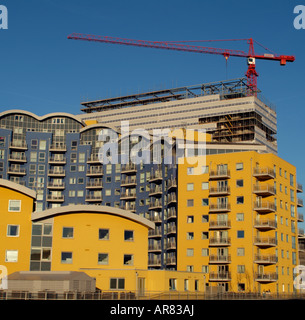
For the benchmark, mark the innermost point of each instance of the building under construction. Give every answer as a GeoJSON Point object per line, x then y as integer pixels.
{"type": "Point", "coordinates": [229, 110]}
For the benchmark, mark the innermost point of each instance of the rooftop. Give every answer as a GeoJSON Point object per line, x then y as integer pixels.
{"type": "Point", "coordinates": [228, 89]}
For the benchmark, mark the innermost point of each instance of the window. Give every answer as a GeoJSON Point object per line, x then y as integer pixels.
{"type": "Point", "coordinates": [34, 144]}
{"type": "Point", "coordinates": [190, 171]}
{"type": "Point", "coordinates": [190, 236]}
{"type": "Point", "coordinates": [42, 157]}
{"type": "Point", "coordinates": [205, 269]}
{"type": "Point", "coordinates": [205, 186]}
{"type": "Point", "coordinates": [74, 145]}
{"type": "Point", "coordinates": [204, 235]}
{"type": "Point", "coordinates": [190, 269]}
{"type": "Point", "coordinates": [102, 258]}
{"type": "Point", "coordinates": [186, 284]}
{"type": "Point", "coordinates": [80, 193]}
{"type": "Point", "coordinates": [66, 257]}
{"type": "Point", "coordinates": [240, 269]}
{"type": "Point", "coordinates": [291, 180]}
{"type": "Point", "coordinates": [12, 230]}
{"type": "Point", "coordinates": [190, 252]}
{"type": "Point", "coordinates": [292, 209]}
{"type": "Point", "coordinates": [240, 200]}
{"type": "Point", "coordinates": [72, 193]}
{"type": "Point", "coordinates": [72, 181]}
{"type": "Point", "coordinates": [73, 168]}
{"type": "Point", "coordinates": [239, 183]}
{"type": "Point", "coordinates": [291, 195]}
{"type": "Point", "coordinates": [240, 234]}
{"type": "Point", "coordinates": [81, 157]}
{"type": "Point", "coordinates": [205, 169]}
{"type": "Point", "coordinates": [172, 284]}
{"type": "Point", "coordinates": [41, 168]}
{"type": "Point", "coordinates": [73, 158]}
{"type": "Point", "coordinates": [2, 154]}
{"type": "Point", "coordinates": [67, 232]}
{"type": "Point", "coordinates": [190, 219]}
{"type": "Point", "coordinates": [81, 168]}
{"type": "Point", "coordinates": [205, 202]}
{"type": "Point", "coordinates": [128, 235]}
{"type": "Point", "coordinates": [205, 252]}
{"type": "Point", "coordinates": [2, 141]}
{"type": "Point", "coordinates": [239, 166]}
{"type": "Point", "coordinates": [240, 252]}
{"type": "Point", "coordinates": [239, 217]}
{"type": "Point", "coordinates": [190, 187]}
{"type": "Point", "coordinates": [128, 260]}
{"type": "Point", "coordinates": [33, 157]}
{"type": "Point", "coordinates": [14, 205]}
{"type": "Point", "coordinates": [190, 202]}
{"type": "Point", "coordinates": [117, 283]}
{"type": "Point", "coordinates": [42, 144]}
{"type": "Point", "coordinates": [11, 256]}
{"type": "Point", "coordinates": [103, 234]}
{"type": "Point", "coordinates": [205, 218]}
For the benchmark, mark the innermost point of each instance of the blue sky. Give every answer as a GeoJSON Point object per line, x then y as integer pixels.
{"type": "Point", "coordinates": [42, 71]}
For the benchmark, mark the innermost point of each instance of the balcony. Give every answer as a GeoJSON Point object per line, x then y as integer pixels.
{"type": "Point", "coordinates": [299, 187]}
{"type": "Point", "coordinates": [93, 159]}
{"type": "Point", "coordinates": [220, 276]}
{"type": "Point", "coordinates": [263, 173]}
{"type": "Point", "coordinates": [156, 218]}
{"type": "Point", "coordinates": [57, 160]}
{"type": "Point", "coordinates": [171, 245]}
{"type": "Point", "coordinates": [56, 173]}
{"type": "Point", "coordinates": [58, 147]}
{"type": "Point", "coordinates": [18, 145]}
{"type": "Point", "coordinates": [172, 213]}
{"type": "Point", "coordinates": [171, 198]}
{"type": "Point", "coordinates": [265, 242]}
{"type": "Point", "coordinates": [219, 242]}
{"type": "Point", "coordinates": [155, 247]}
{"type": "Point", "coordinates": [94, 197]}
{"type": "Point", "coordinates": [94, 185]}
{"type": "Point", "coordinates": [155, 191]}
{"type": "Point", "coordinates": [268, 224]}
{"type": "Point", "coordinates": [171, 260]}
{"type": "Point", "coordinates": [266, 277]}
{"type": "Point", "coordinates": [131, 195]}
{"type": "Point", "coordinates": [129, 181]}
{"type": "Point", "coordinates": [129, 168]}
{"type": "Point", "coordinates": [220, 174]}
{"type": "Point", "coordinates": [156, 204]}
{"type": "Point", "coordinates": [171, 230]}
{"type": "Point", "coordinates": [219, 259]}
{"type": "Point", "coordinates": [129, 206]}
{"type": "Point", "coordinates": [223, 224]}
{"type": "Point", "coordinates": [172, 183]}
{"type": "Point", "coordinates": [264, 207]}
{"type": "Point", "coordinates": [16, 171]}
{"type": "Point", "coordinates": [300, 202]}
{"type": "Point", "coordinates": [95, 172]}
{"type": "Point", "coordinates": [57, 186]}
{"type": "Point", "coordinates": [156, 176]}
{"type": "Point", "coordinates": [17, 157]}
{"type": "Point", "coordinates": [220, 207]}
{"type": "Point", "coordinates": [219, 191]}
{"type": "Point", "coordinates": [301, 233]}
{"type": "Point", "coordinates": [156, 233]}
{"type": "Point", "coordinates": [263, 190]}
{"type": "Point", "coordinates": [156, 262]}
{"type": "Point", "coordinates": [300, 217]}
{"type": "Point", "coordinates": [265, 259]}
{"type": "Point", "coordinates": [55, 198]}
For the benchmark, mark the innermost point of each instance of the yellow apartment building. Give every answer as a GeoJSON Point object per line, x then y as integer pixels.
{"type": "Point", "coordinates": [17, 203]}
{"type": "Point", "coordinates": [238, 222]}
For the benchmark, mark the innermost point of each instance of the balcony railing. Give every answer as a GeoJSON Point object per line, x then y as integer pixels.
{"type": "Point", "coordinates": [263, 173]}
{"type": "Point", "coordinates": [129, 181]}
{"type": "Point", "coordinates": [300, 202]}
{"type": "Point", "coordinates": [267, 224]}
{"type": "Point", "coordinates": [157, 204]}
{"type": "Point", "coordinates": [219, 259]}
{"type": "Point", "coordinates": [58, 147]}
{"type": "Point", "coordinates": [53, 185]}
{"type": "Point", "coordinates": [55, 160]}
{"type": "Point", "coordinates": [128, 195]}
{"type": "Point", "coordinates": [218, 242]}
{"type": "Point", "coordinates": [220, 207]}
{"type": "Point", "coordinates": [220, 276]}
{"type": "Point", "coordinates": [56, 173]}
{"type": "Point", "coordinates": [95, 172]}
{"type": "Point", "coordinates": [94, 158]}
{"type": "Point", "coordinates": [299, 187]}
{"type": "Point", "coordinates": [156, 176]}
{"type": "Point", "coordinates": [219, 191]}
{"type": "Point", "coordinates": [17, 171]}
{"type": "Point", "coordinates": [264, 207]}
{"type": "Point", "coordinates": [19, 145]}
{"type": "Point", "coordinates": [94, 198]}
{"type": "Point", "coordinates": [154, 247]}
{"type": "Point", "coordinates": [154, 262]}
{"type": "Point", "coordinates": [266, 277]}
{"type": "Point", "coordinates": [222, 224]}
{"type": "Point", "coordinates": [129, 168]}
{"type": "Point", "coordinates": [55, 198]}
{"type": "Point", "coordinates": [264, 190]}
{"type": "Point", "coordinates": [219, 174]}
{"type": "Point", "coordinates": [300, 217]}
{"type": "Point", "coordinates": [265, 259]}
{"type": "Point", "coordinates": [18, 157]}
{"type": "Point", "coordinates": [94, 185]}
{"type": "Point", "coordinates": [157, 190]}
{"type": "Point", "coordinates": [265, 242]}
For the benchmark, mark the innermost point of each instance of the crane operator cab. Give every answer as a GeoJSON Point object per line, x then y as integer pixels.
{"type": "Point", "coordinates": [251, 61]}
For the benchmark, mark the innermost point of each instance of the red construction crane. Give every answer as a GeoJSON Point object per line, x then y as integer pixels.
{"type": "Point", "coordinates": [179, 46]}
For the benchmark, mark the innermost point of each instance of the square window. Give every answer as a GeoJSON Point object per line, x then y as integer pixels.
{"type": "Point", "coordinates": [190, 235]}
{"type": "Point", "coordinates": [239, 166]}
{"type": "Point", "coordinates": [204, 235]}
{"type": "Point", "coordinates": [239, 217]}
{"type": "Point", "coordinates": [190, 252]}
{"type": "Point", "coordinates": [240, 252]}
{"type": "Point", "coordinates": [240, 234]}
{"type": "Point", "coordinates": [67, 232]}
{"type": "Point", "coordinates": [14, 205]}
{"type": "Point", "coordinates": [205, 218]}
{"type": "Point", "coordinates": [66, 257]}
{"type": "Point", "coordinates": [117, 283]}
{"type": "Point", "coordinates": [11, 256]}
{"type": "Point", "coordinates": [102, 258]}
{"type": "Point", "coordinates": [190, 187]}
{"type": "Point", "coordinates": [190, 202]}
{"type": "Point", "coordinates": [128, 260]}
{"type": "Point", "coordinates": [12, 230]}
{"type": "Point", "coordinates": [239, 183]}
{"type": "Point", "coordinates": [128, 235]}
{"type": "Point", "coordinates": [205, 202]}
{"type": "Point", "coordinates": [240, 200]}
{"type": "Point", "coordinates": [103, 234]}
{"type": "Point", "coordinates": [205, 186]}
{"type": "Point", "coordinates": [42, 144]}
{"type": "Point", "coordinates": [190, 219]}
{"type": "Point", "coordinates": [190, 171]}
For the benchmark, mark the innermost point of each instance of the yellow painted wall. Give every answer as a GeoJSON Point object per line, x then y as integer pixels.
{"type": "Point", "coordinates": [22, 243]}
{"type": "Point", "coordinates": [249, 160]}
